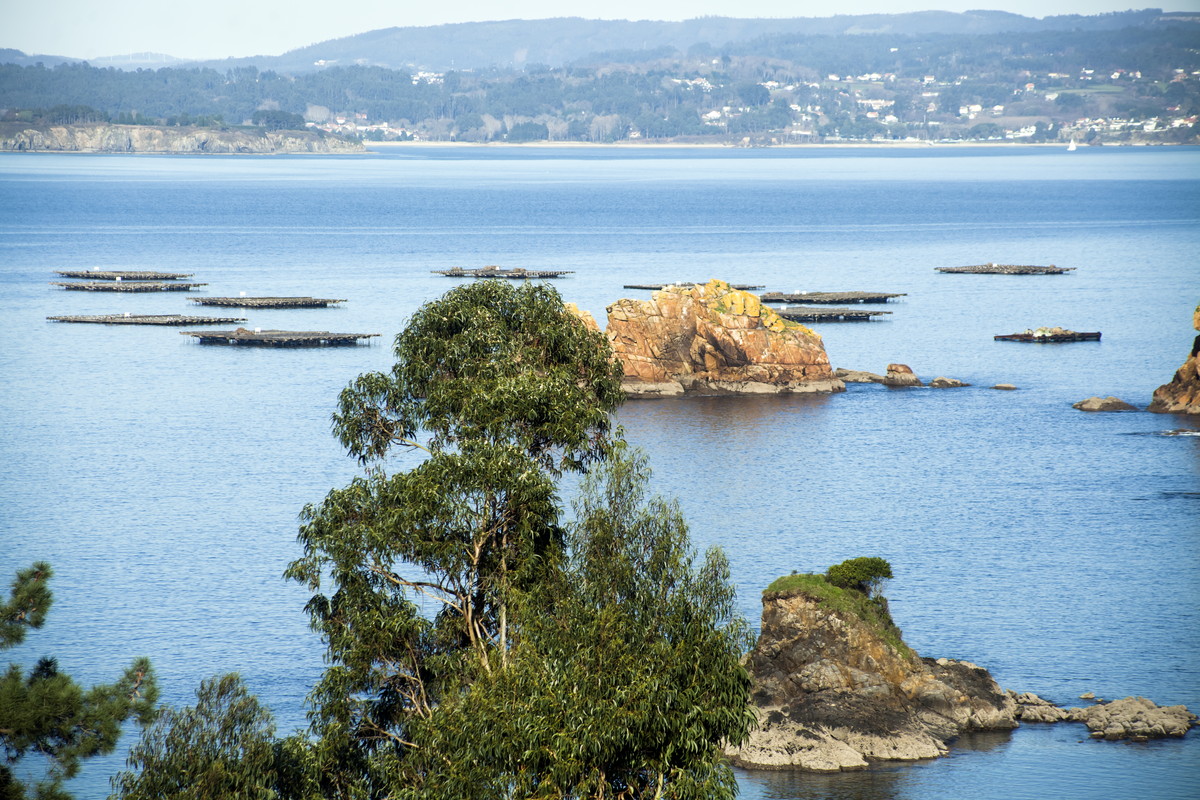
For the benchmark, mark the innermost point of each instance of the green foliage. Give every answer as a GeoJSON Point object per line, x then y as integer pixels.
{"type": "Point", "coordinates": [625, 677]}
{"type": "Point", "coordinates": [278, 120]}
{"type": "Point", "coordinates": [871, 610]}
{"type": "Point", "coordinates": [45, 712]}
{"type": "Point", "coordinates": [528, 132]}
{"type": "Point", "coordinates": [503, 388]}
{"type": "Point", "coordinates": [29, 601]}
{"type": "Point", "coordinates": [865, 574]}
{"type": "Point", "coordinates": [985, 130]}
{"type": "Point", "coordinates": [494, 362]}
{"type": "Point", "coordinates": [223, 748]}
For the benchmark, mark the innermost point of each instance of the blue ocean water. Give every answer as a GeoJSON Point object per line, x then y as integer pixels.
{"type": "Point", "coordinates": [162, 479]}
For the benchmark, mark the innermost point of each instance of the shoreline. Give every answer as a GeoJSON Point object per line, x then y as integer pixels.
{"type": "Point", "coordinates": [371, 146]}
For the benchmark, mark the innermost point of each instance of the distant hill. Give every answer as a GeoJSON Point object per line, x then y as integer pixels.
{"type": "Point", "coordinates": [556, 42]}
{"type": "Point", "coordinates": [10, 56]}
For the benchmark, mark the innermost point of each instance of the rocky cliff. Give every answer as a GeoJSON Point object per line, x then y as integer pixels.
{"type": "Point", "coordinates": [1182, 394]}
{"type": "Point", "coordinates": [150, 139]}
{"type": "Point", "coordinates": [713, 338]}
{"type": "Point", "coordinates": [835, 688]}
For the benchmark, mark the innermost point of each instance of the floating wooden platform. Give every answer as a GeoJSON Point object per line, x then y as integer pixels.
{"type": "Point", "coordinates": [745, 287]}
{"type": "Point", "coordinates": [516, 273]}
{"type": "Point", "coordinates": [262, 338]}
{"type": "Point", "coordinates": [266, 302]}
{"type": "Point", "coordinates": [1066, 336]}
{"type": "Point", "coordinates": [807, 314]}
{"type": "Point", "coordinates": [149, 319]}
{"type": "Point", "coordinates": [127, 286]}
{"type": "Point", "coordinates": [830, 297]}
{"type": "Point", "coordinates": [123, 275]}
{"type": "Point", "coordinates": [1006, 269]}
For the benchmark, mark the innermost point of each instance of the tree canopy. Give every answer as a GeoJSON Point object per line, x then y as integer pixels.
{"type": "Point", "coordinates": [625, 676]}
{"type": "Point", "coordinates": [46, 713]}
{"type": "Point", "coordinates": [223, 747]}
{"type": "Point", "coordinates": [867, 574]}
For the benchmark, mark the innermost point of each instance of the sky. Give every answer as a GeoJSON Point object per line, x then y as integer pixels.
{"type": "Point", "coordinates": [224, 28]}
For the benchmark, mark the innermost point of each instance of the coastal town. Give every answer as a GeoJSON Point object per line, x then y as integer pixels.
{"type": "Point", "coordinates": [880, 107]}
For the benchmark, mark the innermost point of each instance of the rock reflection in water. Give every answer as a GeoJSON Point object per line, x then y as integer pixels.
{"type": "Point", "coordinates": [883, 782]}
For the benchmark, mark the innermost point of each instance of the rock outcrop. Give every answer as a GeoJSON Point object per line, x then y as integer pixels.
{"type": "Point", "coordinates": [857, 376]}
{"type": "Point", "coordinates": [832, 693]}
{"type": "Point", "coordinates": [900, 375]}
{"type": "Point", "coordinates": [1133, 718]}
{"type": "Point", "coordinates": [1182, 394]}
{"type": "Point", "coordinates": [836, 688]}
{"type": "Point", "coordinates": [947, 383]}
{"type": "Point", "coordinates": [1109, 403]}
{"type": "Point", "coordinates": [714, 339]}
{"type": "Point", "coordinates": [152, 139]}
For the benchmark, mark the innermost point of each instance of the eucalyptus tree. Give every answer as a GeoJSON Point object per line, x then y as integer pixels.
{"type": "Point", "coordinates": [46, 713]}
{"type": "Point", "coordinates": [503, 389]}
{"type": "Point", "coordinates": [626, 679]}
{"type": "Point", "coordinates": [222, 748]}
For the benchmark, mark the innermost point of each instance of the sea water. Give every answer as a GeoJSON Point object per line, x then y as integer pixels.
{"type": "Point", "coordinates": [162, 479]}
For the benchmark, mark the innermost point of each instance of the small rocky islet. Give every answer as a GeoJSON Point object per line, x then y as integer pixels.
{"type": "Point", "coordinates": [835, 688]}
{"type": "Point", "coordinates": [713, 338]}
{"type": "Point", "coordinates": [1182, 394]}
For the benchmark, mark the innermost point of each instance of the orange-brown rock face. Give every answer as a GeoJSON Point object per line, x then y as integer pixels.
{"type": "Point", "coordinates": [1182, 394]}
{"type": "Point", "coordinates": [714, 338]}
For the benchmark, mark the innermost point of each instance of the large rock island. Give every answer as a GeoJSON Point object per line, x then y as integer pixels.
{"type": "Point", "coordinates": [1182, 394]}
{"type": "Point", "coordinates": [105, 138]}
{"type": "Point", "coordinates": [836, 688]}
{"type": "Point", "coordinates": [712, 338]}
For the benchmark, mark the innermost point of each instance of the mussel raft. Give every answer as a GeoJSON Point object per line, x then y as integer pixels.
{"type": "Point", "coordinates": [274, 338]}
{"type": "Point", "coordinates": [147, 319]}
{"type": "Point", "coordinates": [1055, 334]}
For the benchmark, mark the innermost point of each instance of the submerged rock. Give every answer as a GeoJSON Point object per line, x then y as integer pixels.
{"type": "Point", "coordinates": [900, 375]}
{"type": "Point", "coordinates": [857, 376]}
{"type": "Point", "coordinates": [1182, 394]}
{"type": "Point", "coordinates": [714, 339]}
{"type": "Point", "coordinates": [1109, 403]}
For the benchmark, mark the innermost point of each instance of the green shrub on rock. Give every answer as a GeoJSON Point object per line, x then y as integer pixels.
{"type": "Point", "coordinates": [866, 574]}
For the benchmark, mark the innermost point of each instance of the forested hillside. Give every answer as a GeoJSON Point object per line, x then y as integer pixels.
{"type": "Point", "coordinates": [1094, 83]}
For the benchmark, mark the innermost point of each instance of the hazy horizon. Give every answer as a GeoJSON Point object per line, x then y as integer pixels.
{"type": "Point", "coordinates": [233, 29]}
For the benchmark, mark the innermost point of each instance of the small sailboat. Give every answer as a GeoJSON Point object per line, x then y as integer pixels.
{"type": "Point", "coordinates": [1071, 147]}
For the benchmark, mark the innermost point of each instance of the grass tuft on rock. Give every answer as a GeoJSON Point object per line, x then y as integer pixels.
{"type": "Point", "coordinates": [873, 612]}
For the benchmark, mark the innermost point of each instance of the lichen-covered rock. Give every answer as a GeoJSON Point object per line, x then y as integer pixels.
{"type": "Point", "coordinates": [832, 693]}
{"type": "Point", "coordinates": [900, 375]}
{"type": "Point", "coordinates": [1182, 394]}
{"type": "Point", "coordinates": [713, 338]}
{"type": "Point", "coordinates": [1109, 403]}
